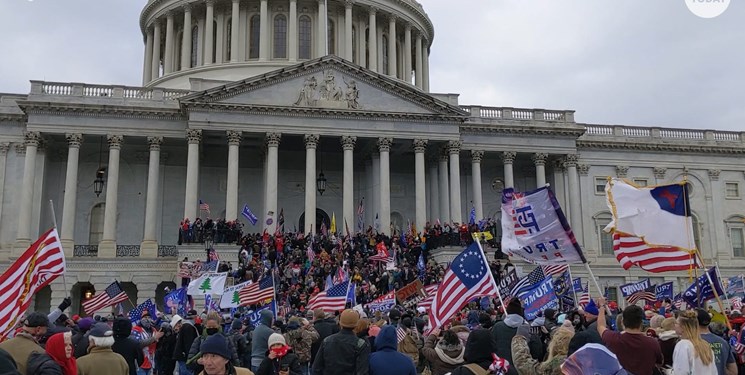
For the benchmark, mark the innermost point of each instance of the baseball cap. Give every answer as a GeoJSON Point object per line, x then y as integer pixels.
{"type": "Point", "coordinates": [36, 319]}
{"type": "Point", "coordinates": [703, 317]}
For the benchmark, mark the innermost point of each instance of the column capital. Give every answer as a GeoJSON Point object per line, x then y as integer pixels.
{"type": "Point", "coordinates": [559, 165]}
{"type": "Point", "coordinates": [348, 4]}
{"type": "Point", "coordinates": [115, 141]}
{"type": "Point", "coordinates": [571, 160]}
{"type": "Point", "coordinates": [444, 155]}
{"type": "Point", "coordinates": [622, 171]}
{"type": "Point", "coordinates": [154, 143]}
{"type": "Point", "coordinates": [508, 157]}
{"type": "Point", "coordinates": [477, 156]}
{"type": "Point", "coordinates": [31, 138]}
{"type": "Point", "coordinates": [74, 140]}
{"type": "Point", "coordinates": [4, 147]}
{"type": "Point", "coordinates": [454, 147]}
{"type": "Point", "coordinates": [311, 140]}
{"type": "Point", "coordinates": [392, 18]}
{"type": "Point", "coordinates": [373, 11]}
{"type": "Point", "coordinates": [584, 169]}
{"type": "Point", "coordinates": [384, 144]}
{"type": "Point", "coordinates": [210, 3]}
{"type": "Point", "coordinates": [659, 172]}
{"type": "Point", "coordinates": [272, 139]}
{"type": "Point", "coordinates": [348, 142]}
{"type": "Point", "coordinates": [407, 27]}
{"type": "Point", "coordinates": [20, 148]}
{"type": "Point", "coordinates": [193, 136]}
{"type": "Point", "coordinates": [714, 174]}
{"type": "Point", "coordinates": [234, 137]}
{"type": "Point", "coordinates": [419, 145]}
{"type": "Point", "coordinates": [186, 7]}
{"type": "Point", "coordinates": [539, 158]}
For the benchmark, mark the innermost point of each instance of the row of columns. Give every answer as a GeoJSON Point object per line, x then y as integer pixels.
{"type": "Point", "coordinates": [152, 63]}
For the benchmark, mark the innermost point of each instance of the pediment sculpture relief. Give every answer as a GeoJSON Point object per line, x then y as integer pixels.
{"type": "Point", "coordinates": [326, 93]}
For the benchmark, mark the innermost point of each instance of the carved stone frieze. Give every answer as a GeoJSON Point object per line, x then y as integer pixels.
{"type": "Point", "coordinates": [659, 172]}
{"type": "Point", "coordinates": [583, 169]}
{"type": "Point", "coordinates": [714, 174]}
{"type": "Point", "coordinates": [327, 93]}
{"type": "Point", "coordinates": [622, 171]}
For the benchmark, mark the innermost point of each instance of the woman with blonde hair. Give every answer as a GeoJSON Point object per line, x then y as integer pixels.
{"type": "Point", "coordinates": [557, 353]}
{"type": "Point", "coordinates": [692, 354]}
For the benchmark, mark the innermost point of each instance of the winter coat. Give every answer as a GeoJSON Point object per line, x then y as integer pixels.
{"type": "Point", "coordinates": [42, 364]}
{"type": "Point", "coordinates": [526, 365]}
{"type": "Point", "coordinates": [240, 343]}
{"type": "Point", "coordinates": [342, 353]}
{"type": "Point", "coordinates": [234, 371]}
{"type": "Point", "coordinates": [128, 348]}
{"type": "Point", "coordinates": [588, 335]}
{"type": "Point", "coordinates": [479, 349]}
{"type": "Point", "coordinates": [195, 353]}
{"type": "Point", "coordinates": [301, 340]}
{"type": "Point", "coordinates": [668, 340]}
{"type": "Point", "coordinates": [442, 360]}
{"type": "Point", "coordinates": [502, 334]}
{"type": "Point", "coordinates": [185, 337]}
{"type": "Point", "coordinates": [259, 343]}
{"type": "Point", "coordinates": [164, 353]}
{"type": "Point", "coordinates": [387, 360]}
{"type": "Point", "coordinates": [20, 348]}
{"type": "Point", "coordinates": [102, 358]}
{"type": "Point", "coordinates": [80, 344]}
{"type": "Point", "coordinates": [7, 364]}
{"type": "Point", "coordinates": [272, 366]}
{"type": "Point", "coordinates": [325, 328]}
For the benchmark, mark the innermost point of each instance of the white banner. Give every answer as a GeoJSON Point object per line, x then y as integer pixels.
{"type": "Point", "coordinates": [230, 296]}
{"type": "Point", "coordinates": [208, 283]}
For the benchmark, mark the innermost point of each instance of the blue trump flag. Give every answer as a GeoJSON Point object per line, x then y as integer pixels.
{"type": "Point", "coordinates": [577, 285]}
{"type": "Point", "coordinates": [664, 291]}
{"type": "Point", "coordinates": [472, 216]}
{"type": "Point", "coordinates": [176, 301]}
{"type": "Point", "coordinates": [421, 266]}
{"type": "Point", "coordinates": [539, 297]}
{"type": "Point", "coordinates": [702, 290]}
{"type": "Point", "coordinates": [255, 317]}
{"type": "Point", "coordinates": [249, 215]}
{"type": "Point", "coordinates": [352, 294]}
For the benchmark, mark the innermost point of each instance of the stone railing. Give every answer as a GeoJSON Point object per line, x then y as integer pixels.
{"type": "Point", "coordinates": [85, 251]}
{"type": "Point", "coordinates": [167, 251]}
{"type": "Point", "coordinates": [593, 130]}
{"type": "Point", "coordinates": [127, 251]}
{"type": "Point", "coordinates": [520, 114]}
{"type": "Point", "coordinates": [104, 91]}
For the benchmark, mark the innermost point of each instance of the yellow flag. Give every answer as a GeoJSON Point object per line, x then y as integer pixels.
{"type": "Point", "coordinates": [487, 236]}
{"type": "Point", "coordinates": [333, 223]}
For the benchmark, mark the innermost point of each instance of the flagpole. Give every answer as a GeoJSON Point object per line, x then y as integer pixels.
{"type": "Point", "coordinates": [54, 224]}
{"type": "Point", "coordinates": [724, 289]}
{"type": "Point", "coordinates": [594, 280]}
{"type": "Point", "coordinates": [494, 282]}
{"type": "Point", "coordinates": [571, 281]}
{"type": "Point", "coordinates": [716, 295]}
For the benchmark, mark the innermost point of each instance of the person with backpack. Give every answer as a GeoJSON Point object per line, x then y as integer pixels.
{"type": "Point", "coordinates": [412, 342]}
{"type": "Point", "coordinates": [300, 336]}
{"type": "Point", "coordinates": [343, 353]}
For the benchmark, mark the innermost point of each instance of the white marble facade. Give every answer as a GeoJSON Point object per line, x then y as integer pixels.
{"type": "Point", "coordinates": [241, 130]}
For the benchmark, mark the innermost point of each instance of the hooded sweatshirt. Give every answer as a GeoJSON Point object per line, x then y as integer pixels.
{"type": "Point", "coordinates": [502, 334]}
{"type": "Point", "coordinates": [259, 343]}
{"type": "Point", "coordinates": [387, 360]}
{"type": "Point", "coordinates": [479, 349]}
{"type": "Point", "coordinates": [126, 346]}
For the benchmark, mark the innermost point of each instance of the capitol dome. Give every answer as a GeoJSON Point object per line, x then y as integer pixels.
{"type": "Point", "coordinates": [182, 48]}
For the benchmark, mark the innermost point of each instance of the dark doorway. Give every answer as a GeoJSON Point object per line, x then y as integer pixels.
{"type": "Point", "coordinates": [321, 217]}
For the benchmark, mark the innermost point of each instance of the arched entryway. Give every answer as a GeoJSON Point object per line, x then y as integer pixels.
{"type": "Point", "coordinates": [160, 294]}
{"type": "Point", "coordinates": [321, 217]}
{"type": "Point", "coordinates": [131, 290]}
{"type": "Point", "coordinates": [80, 293]}
{"type": "Point", "coordinates": [397, 222]}
{"type": "Point", "coordinates": [43, 299]}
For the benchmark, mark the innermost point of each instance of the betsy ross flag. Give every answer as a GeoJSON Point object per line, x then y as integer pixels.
{"type": "Point", "coordinates": [469, 277]}
{"type": "Point", "coordinates": [249, 215]}
{"type": "Point", "coordinates": [112, 295]}
{"type": "Point", "coordinates": [257, 292]}
{"type": "Point", "coordinates": [333, 299]}
{"type": "Point", "coordinates": [36, 268]}
{"type": "Point", "coordinates": [648, 294]}
{"type": "Point", "coordinates": [633, 251]}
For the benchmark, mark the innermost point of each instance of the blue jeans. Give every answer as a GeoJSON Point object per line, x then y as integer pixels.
{"type": "Point", "coordinates": [182, 369]}
{"type": "Point", "coordinates": [141, 371]}
{"type": "Point", "coordinates": [305, 368]}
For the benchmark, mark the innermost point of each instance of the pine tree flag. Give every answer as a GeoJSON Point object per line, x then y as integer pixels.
{"type": "Point", "coordinates": [232, 298]}
{"type": "Point", "coordinates": [208, 283]}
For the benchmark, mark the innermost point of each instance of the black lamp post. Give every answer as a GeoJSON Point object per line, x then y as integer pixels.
{"type": "Point", "coordinates": [321, 183]}
{"type": "Point", "coordinates": [99, 181]}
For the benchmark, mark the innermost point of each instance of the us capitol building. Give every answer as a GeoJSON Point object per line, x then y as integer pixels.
{"type": "Point", "coordinates": [306, 106]}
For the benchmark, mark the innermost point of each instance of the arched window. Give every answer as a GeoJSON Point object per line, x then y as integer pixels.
{"type": "Point", "coordinates": [253, 47]}
{"type": "Point", "coordinates": [736, 228]}
{"type": "Point", "coordinates": [605, 240]}
{"type": "Point", "coordinates": [95, 234]}
{"type": "Point", "coordinates": [385, 54]}
{"type": "Point", "coordinates": [304, 37]}
{"type": "Point", "coordinates": [280, 36]}
{"type": "Point", "coordinates": [229, 38]}
{"type": "Point", "coordinates": [194, 45]}
{"type": "Point", "coordinates": [332, 38]}
{"type": "Point", "coordinates": [354, 44]}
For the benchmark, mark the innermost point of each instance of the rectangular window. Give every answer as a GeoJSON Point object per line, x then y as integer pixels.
{"type": "Point", "coordinates": [611, 293]}
{"type": "Point", "coordinates": [606, 242]}
{"type": "Point", "coordinates": [600, 185]}
{"type": "Point", "coordinates": [641, 182]}
{"type": "Point", "coordinates": [732, 190]}
{"type": "Point", "coordinates": [738, 241]}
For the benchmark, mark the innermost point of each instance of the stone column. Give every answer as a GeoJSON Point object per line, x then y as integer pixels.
{"type": "Point", "coordinates": [361, 43]}
{"type": "Point", "coordinates": [508, 157]}
{"type": "Point", "coordinates": [4, 147]}
{"type": "Point", "coordinates": [425, 67]}
{"type": "Point", "coordinates": [186, 39]}
{"type": "Point", "coordinates": [420, 147]}
{"type": "Point", "coordinates": [209, 32]}
{"type": "Point", "coordinates": [434, 189]}
{"type": "Point", "coordinates": [444, 188]}
{"type": "Point", "coordinates": [292, 31]}
{"type": "Point", "coordinates": [375, 198]}
{"type": "Point", "coordinates": [155, 64]}
{"type": "Point", "coordinates": [147, 69]}
{"type": "Point", "coordinates": [264, 31]}
{"type": "Point", "coordinates": [372, 43]}
{"type": "Point", "coordinates": [347, 143]}
{"type": "Point", "coordinates": [348, 30]}
{"type": "Point", "coordinates": [149, 246]}
{"type": "Point", "coordinates": [270, 202]}
{"type": "Point", "coordinates": [418, 55]}
{"type": "Point", "coordinates": [235, 27]}
{"type": "Point", "coordinates": [69, 205]}
{"type": "Point", "coordinates": [392, 61]}
{"type": "Point", "coordinates": [311, 143]}
{"type": "Point", "coordinates": [107, 246]}
{"type": "Point", "coordinates": [476, 157]}
{"type": "Point", "coordinates": [168, 60]}
{"type": "Point", "coordinates": [23, 237]}
{"type": "Point", "coordinates": [384, 145]}
{"type": "Point", "coordinates": [455, 207]}
{"type": "Point", "coordinates": [193, 137]}
{"type": "Point", "coordinates": [540, 169]}
{"type": "Point", "coordinates": [322, 34]}
{"type": "Point", "coordinates": [231, 200]}
{"type": "Point", "coordinates": [407, 53]}
{"type": "Point", "coordinates": [575, 207]}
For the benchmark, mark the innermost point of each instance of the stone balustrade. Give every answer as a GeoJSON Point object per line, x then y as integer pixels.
{"type": "Point", "coordinates": [104, 91]}
{"type": "Point", "coordinates": [520, 114]}
{"type": "Point", "coordinates": [594, 130]}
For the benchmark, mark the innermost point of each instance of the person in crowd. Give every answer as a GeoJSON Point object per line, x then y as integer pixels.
{"type": "Point", "coordinates": [212, 327]}
{"type": "Point", "coordinates": [557, 352]}
{"type": "Point", "coordinates": [126, 346]}
{"type": "Point", "coordinates": [300, 336]}
{"type": "Point", "coordinates": [724, 358]}
{"type": "Point", "coordinates": [587, 332]}
{"type": "Point", "coordinates": [58, 358]}
{"type": "Point", "coordinates": [503, 332]}
{"type": "Point", "coordinates": [280, 358]}
{"type": "Point", "coordinates": [26, 342]}
{"type": "Point", "coordinates": [185, 337]}
{"type": "Point", "coordinates": [478, 356]}
{"type": "Point", "coordinates": [325, 328]}
{"type": "Point", "coordinates": [7, 364]}
{"type": "Point", "coordinates": [215, 358]}
{"type": "Point", "coordinates": [164, 362]}
{"type": "Point", "coordinates": [636, 352]}
{"type": "Point", "coordinates": [387, 360]}
{"type": "Point", "coordinates": [100, 357]}
{"type": "Point", "coordinates": [146, 334]}
{"type": "Point", "coordinates": [80, 338]}
{"type": "Point", "coordinates": [692, 355]}
{"type": "Point", "coordinates": [240, 343]}
{"type": "Point", "coordinates": [445, 353]}
{"type": "Point", "coordinates": [260, 340]}
{"type": "Point", "coordinates": [668, 338]}
{"type": "Point", "coordinates": [343, 353]}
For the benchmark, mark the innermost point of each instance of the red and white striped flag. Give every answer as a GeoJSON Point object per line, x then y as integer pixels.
{"type": "Point", "coordinates": [736, 303]}
{"type": "Point", "coordinates": [431, 291]}
{"type": "Point", "coordinates": [400, 334]}
{"type": "Point", "coordinates": [112, 295]}
{"type": "Point", "coordinates": [584, 297]}
{"type": "Point", "coordinates": [36, 268]}
{"type": "Point", "coordinates": [333, 299]}
{"type": "Point", "coordinates": [632, 251]}
{"type": "Point", "coordinates": [554, 269]}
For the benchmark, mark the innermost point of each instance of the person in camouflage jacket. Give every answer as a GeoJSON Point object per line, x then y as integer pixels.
{"type": "Point", "coordinates": [300, 336]}
{"type": "Point", "coordinates": [527, 365]}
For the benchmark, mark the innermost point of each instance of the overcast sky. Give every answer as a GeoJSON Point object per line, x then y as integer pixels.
{"type": "Point", "coordinates": [632, 62]}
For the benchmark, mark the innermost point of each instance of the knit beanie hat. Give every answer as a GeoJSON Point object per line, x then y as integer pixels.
{"type": "Point", "coordinates": [216, 344]}
{"type": "Point", "coordinates": [515, 307]}
{"type": "Point", "coordinates": [276, 338]}
{"type": "Point", "coordinates": [349, 318]}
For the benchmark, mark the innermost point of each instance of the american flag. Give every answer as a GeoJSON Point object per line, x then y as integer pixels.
{"type": "Point", "coordinates": [204, 206]}
{"type": "Point", "coordinates": [534, 277]}
{"type": "Point", "coordinates": [360, 217]}
{"type": "Point", "coordinates": [333, 299]}
{"type": "Point", "coordinates": [554, 269]}
{"type": "Point", "coordinates": [383, 254]}
{"type": "Point", "coordinates": [311, 254]}
{"type": "Point", "coordinates": [112, 295]}
{"type": "Point", "coordinates": [648, 294]}
{"type": "Point", "coordinates": [400, 334]}
{"type": "Point", "coordinates": [632, 251]}
{"type": "Point", "coordinates": [736, 303]}
{"type": "Point", "coordinates": [257, 292]}
{"type": "Point", "coordinates": [468, 277]}
{"type": "Point", "coordinates": [584, 297]}
{"type": "Point", "coordinates": [202, 267]}
{"type": "Point", "coordinates": [36, 268]}
{"type": "Point", "coordinates": [431, 291]}
{"type": "Point", "coordinates": [135, 315]}
{"type": "Point", "coordinates": [281, 220]}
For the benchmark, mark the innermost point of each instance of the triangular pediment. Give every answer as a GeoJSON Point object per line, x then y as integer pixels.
{"type": "Point", "coordinates": [330, 84]}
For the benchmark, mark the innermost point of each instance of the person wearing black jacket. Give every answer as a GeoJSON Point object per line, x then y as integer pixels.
{"type": "Point", "coordinates": [164, 361]}
{"type": "Point", "coordinates": [187, 333]}
{"type": "Point", "coordinates": [325, 328]}
{"type": "Point", "coordinates": [343, 353]}
{"type": "Point", "coordinates": [478, 353]}
{"type": "Point", "coordinates": [125, 346]}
